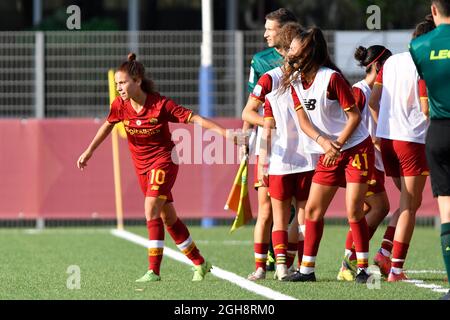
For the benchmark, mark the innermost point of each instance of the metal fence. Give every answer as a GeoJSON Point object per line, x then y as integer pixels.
{"type": "Point", "coordinates": [64, 74]}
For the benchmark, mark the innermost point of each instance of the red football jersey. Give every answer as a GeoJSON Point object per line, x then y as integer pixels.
{"type": "Point", "coordinates": [149, 137]}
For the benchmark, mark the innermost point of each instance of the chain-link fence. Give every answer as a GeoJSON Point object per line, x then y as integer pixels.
{"type": "Point", "coordinates": [64, 74]}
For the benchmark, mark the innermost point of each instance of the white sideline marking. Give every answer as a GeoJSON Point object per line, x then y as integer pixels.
{"type": "Point", "coordinates": [425, 271]}
{"type": "Point", "coordinates": [422, 284]}
{"type": "Point", "coordinates": [432, 286]}
{"type": "Point", "coordinates": [216, 271]}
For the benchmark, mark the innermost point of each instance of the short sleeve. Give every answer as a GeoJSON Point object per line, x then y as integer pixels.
{"type": "Point", "coordinates": [423, 93]}
{"type": "Point", "coordinates": [360, 98]}
{"type": "Point", "coordinates": [379, 79]}
{"type": "Point", "coordinates": [116, 112]}
{"type": "Point", "coordinates": [297, 103]}
{"type": "Point", "coordinates": [340, 90]}
{"type": "Point", "coordinates": [268, 112]}
{"type": "Point", "coordinates": [262, 88]}
{"type": "Point", "coordinates": [177, 113]}
{"type": "Point", "coordinates": [253, 76]}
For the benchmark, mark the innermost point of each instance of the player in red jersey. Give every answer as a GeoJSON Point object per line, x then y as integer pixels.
{"type": "Point", "coordinates": [146, 116]}
{"type": "Point", "coordinates": [376, 204]}
{"type": "Point", "coordinates": [252, 115]}
{"type": "Point", "coordinates": [268, 82]}
{"type": "Point", "coordinates": [326, 110]}
{"type": "Point", "coordinates": [402, 126]}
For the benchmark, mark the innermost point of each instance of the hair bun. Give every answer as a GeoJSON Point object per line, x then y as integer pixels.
{"type": "Point", "coordinates": [361, 54]}
{"type": "Point", "coordinates": [132, 56]}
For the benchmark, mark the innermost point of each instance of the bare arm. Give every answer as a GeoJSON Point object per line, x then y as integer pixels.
{"type": "Point", "coordinates": [424, 105]}
{"type": "Point", "coordinates": [331, 150]}
{"type": "Point", "coordinates": [101, 135]}
{"type": "Point", "coordinates": [354, 118]}
{"type": "Point", "coordinates": [208, 125]}
{"type": "Point", "coordinates": [374, 101]}
{"type": "Point", "coordinates": [250, 113]}
{"type": "Point", "coordinates": [265, 149]}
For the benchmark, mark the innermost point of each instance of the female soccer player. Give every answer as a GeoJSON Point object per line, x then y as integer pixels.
{"type": "Point", "coordinates": [401, 125]}
{"type": "Point", "coordinates": [376, 204]}
{"type": "Point", "coordinates": [146, 116]}
{"type": "Point", "coordinates": [266, 84]}
{"type": "Point", "coordinates": [326, 110]}
{"type": "Point", "coordinates": [289, 169]}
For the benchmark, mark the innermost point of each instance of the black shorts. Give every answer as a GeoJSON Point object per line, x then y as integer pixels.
{"type": "Point", "coordinates": [437, 149]}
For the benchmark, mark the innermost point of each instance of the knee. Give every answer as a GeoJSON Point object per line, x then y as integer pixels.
{"type": "Point", "coordinates": [168, 220]}
{"type": "Point", "coordinates": [417, 203]}
{"type": "Point", "coordinates": [313, 213]}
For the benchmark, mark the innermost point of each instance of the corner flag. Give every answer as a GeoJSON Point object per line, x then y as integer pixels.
{"type": "Point", "coordinates": [238, 199]}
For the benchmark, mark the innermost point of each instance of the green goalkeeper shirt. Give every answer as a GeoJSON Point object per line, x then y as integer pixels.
{"type": "Point", "coordinates": [431, 54]}
{"type": "Point", "coordinates": [261, 63]}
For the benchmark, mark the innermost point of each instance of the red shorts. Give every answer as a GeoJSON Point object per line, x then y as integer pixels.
{"type": "Point", "coordinates": [403, 158]}
{"type": "Point", "coordinates": [256, 183]}
{"type": "Point", "coordinates": [376, 184]}
{"type": "Point", "coordinates": [159, 180]}
{"type": "Point", "coordinates": [283, 187]}
{"type": "Point", "coordinates": [354, 165]}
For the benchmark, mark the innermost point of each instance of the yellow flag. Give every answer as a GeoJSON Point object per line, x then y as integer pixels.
{"type": "Point", "coordinates": [238, 199]}
{"type": "Point", "coordinates": [112, 95]}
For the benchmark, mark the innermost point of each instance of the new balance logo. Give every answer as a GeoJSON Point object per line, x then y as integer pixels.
{"type": "Point", "coordinates": [310, 104]}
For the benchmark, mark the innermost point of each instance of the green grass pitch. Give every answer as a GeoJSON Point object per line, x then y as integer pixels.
{"type": "Point", "coordinates": [34, 265]}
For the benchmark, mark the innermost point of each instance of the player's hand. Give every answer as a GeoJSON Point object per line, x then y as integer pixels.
{"type": "Point", "coordinates": [262, 174]}
{"type": "Point", "coordinates": [83, 159]}
{"type": "Point", "coordinates": [243, 151]}
{"type": "Point", "coordinates": [332, 151]}
{"type": "Point", "coordinates": [377, 143]}
{"type": "Point", "coordinates": [239, 138]}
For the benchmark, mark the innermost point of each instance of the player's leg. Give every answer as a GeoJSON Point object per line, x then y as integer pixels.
{"type": "Point", "coordinates": [262, 234]}
{"type": "Point", "coordinates": [376, 207]}
{"type": "Point", "coordinates": [293, 236]}
{"type": "Point", "coordinates": [383, 256]}
{"type": "Point", "coordinates": [410, 201]}
{"type": "Point", "coordinates": [438, 155]}
{"type": "Point", "coordinates": [281, 215]}
{"type": "Point", "coordinates": [180, 234]}
{"type": "Point", "coordinates": [155, 227]}
{"type": "Point", "coordinates": [444, 209]}
{"type": "Point", "coordinates": [354, 200]}
{"type": "Point", "coordinates": [319, 199]}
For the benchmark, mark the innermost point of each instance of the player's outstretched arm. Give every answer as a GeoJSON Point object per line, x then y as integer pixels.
{"type": "Point", "coordinates": [101, 135]}
{"type": "Point", "coordinates": [211, 125]}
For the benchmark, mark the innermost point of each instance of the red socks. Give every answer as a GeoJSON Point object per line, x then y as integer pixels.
{"type": "Point", "coordinates": [398, 256]}
{"type": "Point", "coordinates": [155, 229]}
{"type": "Point", "coordinates": [280, 240]}
{"type": "Point", "coordinates": [360, 233]}
{"type": "Point", "coordinates": [180, 234]}
{"type": "Point", "coordinates": [261, 255]}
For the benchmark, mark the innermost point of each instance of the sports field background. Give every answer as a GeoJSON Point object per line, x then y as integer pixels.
{"type": "Point", "coordinates": [35, 262]}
